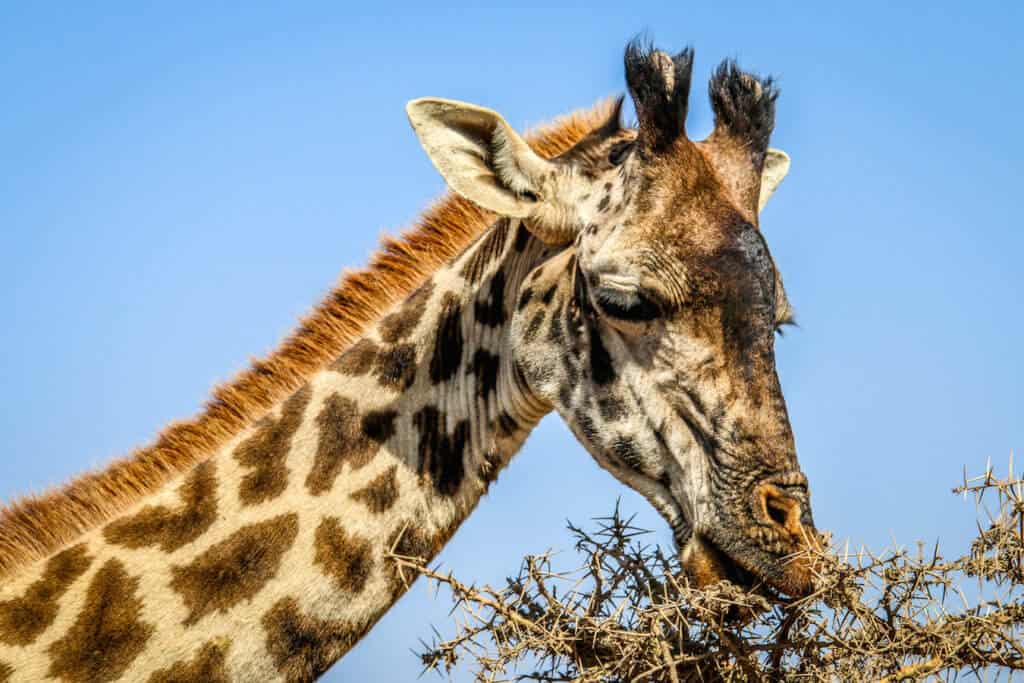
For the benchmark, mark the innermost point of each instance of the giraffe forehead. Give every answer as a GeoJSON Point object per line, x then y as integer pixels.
{"type": "Point", "coordinates": [675, 242]}
{"type": "Point", "coordinates": [677, 205]}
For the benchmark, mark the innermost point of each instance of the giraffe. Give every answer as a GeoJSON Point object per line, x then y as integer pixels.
{"type": "Point", "coordinates": [615, 275]}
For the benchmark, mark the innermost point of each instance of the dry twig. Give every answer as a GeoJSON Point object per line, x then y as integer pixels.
{"type": "Point", "coordinates": [629, 615]}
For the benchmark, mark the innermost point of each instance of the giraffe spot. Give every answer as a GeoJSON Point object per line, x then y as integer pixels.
{"type": "Point", "coordinates": [23, 619]}
{"type": "Point", "coordinates": [572, 372]}
{"type": "Point", "coordinates": [235, 569]}
{"type": "Point", "coordinates": [556, 332]}
{"type": "Point", "coordinates": [381, 493]}
{"type": "Point", "coordinates": [520, 369]}
{"type": "Point", "coordinates": [525, 297]}
{"type": "Point", "coordinates": [486, 251]}
{"type": "Point", "coordinates": [603, 204]}
{"type": "Point", "coordinates": [358, 359]}
{"type": "Point", "coordinates": [507, 425]}
{"type": "Point", "coordinates": [379, 425]}
{"type": "Point", "coordinates": [549, 294]}
{"type": "Point", "coordinates": [522, 238]}
{"type": "Point", "coordinates": [266, 451]}
{"type": "Point", "coordinates": [611, 408]}
{"type": "Point", "coordinates": [167, 528]}
{"type": "Point", "coordinates": [303, 647]}
{"type": "Point", "coordinates": [207, 666]}
{"type": "Point", "coordinates": [601, 369]}
{"type": "Point", "coordinates": [448, 345]}
{"type": "Point", "coordinates": [491, 310]}
{"type": "Point", "coordinates": [485, 367]}
{"type": "Point", "coordinates": [530, 333]}
{"type": "Point", "coordinates": [346, 436]}
{"type": "Point", "coordinates": [586, 427]}
{"type": "Point", "coordinates": [565, 393]}
{"type": "Point", "coordinates": [6, 671]}
{"type": "Point", "coordinates": [625, 449]}
{"type": "Point", "coordinates": [345, 557]}
{"type": "Point", "coordinates": [107, 634]}
{"type": "Point", "coordinates": [440, 453]}
{"type": "Point", "coordinates": [397, 326]}
{"type": "Point", "coordinates": [396, 367]}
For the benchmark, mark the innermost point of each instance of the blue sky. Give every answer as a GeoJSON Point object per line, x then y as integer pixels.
{"type": "Point", "coordinates": [180, 183]}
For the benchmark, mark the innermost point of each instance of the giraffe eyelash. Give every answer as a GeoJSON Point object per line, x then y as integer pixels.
{"type": "Point", "coordinates": [788, 321]}
{"type": "Point", "coordinates": [629, 305]}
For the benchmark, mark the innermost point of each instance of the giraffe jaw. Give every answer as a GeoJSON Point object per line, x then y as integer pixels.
{"type": "Point", "coordinates": [706, 564]}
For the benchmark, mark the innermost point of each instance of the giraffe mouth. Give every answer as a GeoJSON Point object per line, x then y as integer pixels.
{"type": "Point", "coordinates": [707, 564]}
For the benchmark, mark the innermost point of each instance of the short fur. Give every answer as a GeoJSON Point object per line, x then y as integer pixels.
{"type": "Point", "coordinates": [37, 525]}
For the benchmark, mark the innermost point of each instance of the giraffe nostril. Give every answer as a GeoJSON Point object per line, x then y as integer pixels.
{"type": "Point", "coordinates": [777, 513]}
{"type": "Point", "coordinates": [778, 509]}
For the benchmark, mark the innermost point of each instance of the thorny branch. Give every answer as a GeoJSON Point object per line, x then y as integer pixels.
{"type": "Point", "coordinates": [628, 614]}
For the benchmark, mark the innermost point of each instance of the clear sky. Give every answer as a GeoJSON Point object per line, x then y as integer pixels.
{"type": "Point", "coordinates": [177, 185]}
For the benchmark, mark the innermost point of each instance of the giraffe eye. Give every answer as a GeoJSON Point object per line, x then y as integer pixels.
{"type": "Point", "coordinates": [618, 152]}
{"type": "Point", "coordinates": [626, 304]}
{"type": "Point", "coordinates": [780, 325]}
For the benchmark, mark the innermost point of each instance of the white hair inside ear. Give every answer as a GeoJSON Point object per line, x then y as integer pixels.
{"type": "Point", "coordinates": [776, 166]}
{"type": "Point", "coordinates": [483, 159]}
{"type": "Point", "coordinates": [478, 154]}
{"type": "Point", "coordinates": [515, 164]}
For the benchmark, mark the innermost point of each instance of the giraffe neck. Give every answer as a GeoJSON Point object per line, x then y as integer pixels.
{"type": "Point", "coordinates": [272, 558]}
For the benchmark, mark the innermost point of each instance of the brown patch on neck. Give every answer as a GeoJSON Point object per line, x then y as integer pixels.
{"type": "Point", "coordinates": [235, 569]}
{"type": "Point", "coordinates": [345, 557]}
{"type": "Point", "coordinates": [208, 666]}
{"type": "Point", "coordinates": [23, 619]}
{"type": "Point", "coordinates": [397, 326]}
{"type": "Point", "coordinates": [380, 493]}
{"type": "Point", "coordinates": [358, 360]}
{"type": "Point", "coordinates": [159, 525]}
{"type": "Point", "coordinates": [396, 367]}
{"type": "Point", "coordinates": [304, 647]}
{"type": "Point", "coordinates": [441, 455]}
{"type": "Point", "coordinates": [36, 526]}
{"type": "Point", "coordinates": [108, 634]}
{"type": "Point", "coordinates": [266, 452]}
{"type": "Point", "coordinates": [6, 671]}
{"type": "Point", "coordinates": [346, 436]}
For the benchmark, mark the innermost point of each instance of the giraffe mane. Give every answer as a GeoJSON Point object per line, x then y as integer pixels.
{"type": "Point", "coordinates": [36, 525]}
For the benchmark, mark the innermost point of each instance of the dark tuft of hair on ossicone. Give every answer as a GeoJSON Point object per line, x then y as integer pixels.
{"type": "Point", "coordinates": [744, 105]}
{"type": "Point", "coordinates": [660, 87]}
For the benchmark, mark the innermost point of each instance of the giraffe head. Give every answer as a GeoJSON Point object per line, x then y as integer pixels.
{"type": "Point", "coordinates": [651, 326]}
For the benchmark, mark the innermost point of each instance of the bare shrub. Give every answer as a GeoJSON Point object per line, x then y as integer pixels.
{"type": "Point", "coordinates": [628, 613]}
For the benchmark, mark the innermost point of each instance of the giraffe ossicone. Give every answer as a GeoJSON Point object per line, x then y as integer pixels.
{"type": "Point", "coordinates": [615, 275]}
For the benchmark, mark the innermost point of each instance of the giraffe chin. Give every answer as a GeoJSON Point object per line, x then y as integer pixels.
{"type": "Point", "coordinates": [706, 564]}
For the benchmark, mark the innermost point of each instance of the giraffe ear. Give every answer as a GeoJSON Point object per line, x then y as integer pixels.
{"type": "Point", "coordinates": [776, 166]}
{"type": "Point", "coordinates": [479, 155]}
{"type": "Point", "coordinates": [483, 159]}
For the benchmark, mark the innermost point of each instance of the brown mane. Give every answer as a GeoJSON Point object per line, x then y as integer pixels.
{"type": "Point", "coordinates": [37, 525]}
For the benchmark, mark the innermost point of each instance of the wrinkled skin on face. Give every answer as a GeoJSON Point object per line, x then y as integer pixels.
{"type": "Point", "coordinates": [685, 406]}
{"type": "Point", "coordinates": [652, 328]}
